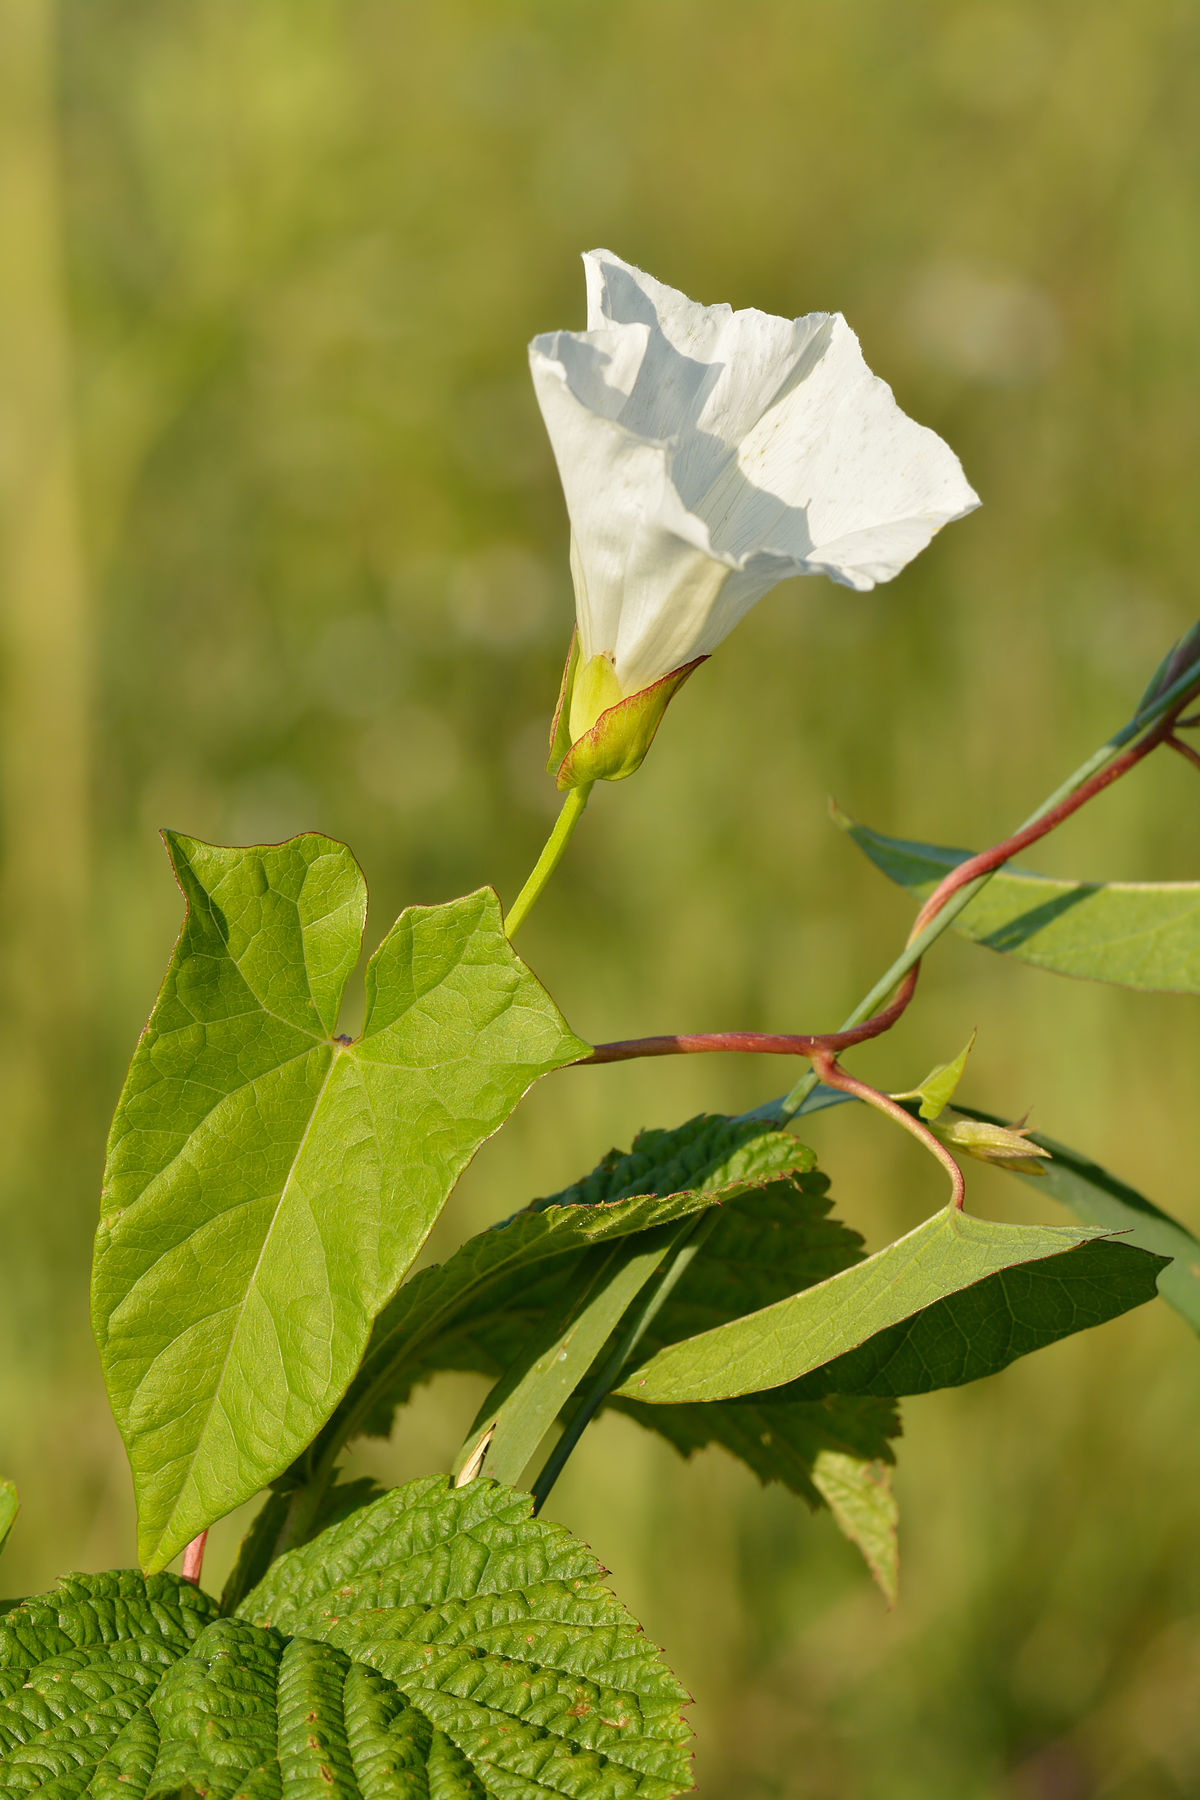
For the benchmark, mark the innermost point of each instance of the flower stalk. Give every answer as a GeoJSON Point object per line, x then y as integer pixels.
{"type": "Point", "coordinates": [548, 861]}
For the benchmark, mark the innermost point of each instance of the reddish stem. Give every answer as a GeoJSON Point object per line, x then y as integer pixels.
{"type": "Point", "coordinates": [766, 1043]}
{"type": "Point", "coordinates": [999, 854]}
{"type": "Point", "coordinates": [193, 1559]}
{"type": "Point", "coordinates": [834, 1076]}
{"type": "Point", "coordinates": [803, 1044]}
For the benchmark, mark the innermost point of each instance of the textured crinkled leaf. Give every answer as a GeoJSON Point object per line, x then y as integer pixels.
{"type": "Point", "coordinates": [257, 1549]}
{"type": "Point", "coordinates": [77, 1668]}
{"type": "Point", "coordinates": [8, 1509]}
{"type": "Point", "coordinates": [440, 1643]}
{"type": "Point", "coordinates": [446, 1316]}
{"type": "Point", "coordinates": [1099, 1198]}
{"type": "Point", "coordinates": [268, 1184]}
{"type": "Point", "coordinates": [949, 1253]}
{"type": "Point", "coordinates": [1134, 934]}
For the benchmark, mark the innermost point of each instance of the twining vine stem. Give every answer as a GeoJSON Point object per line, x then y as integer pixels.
{"type": "Point", "coordinates": [193, 1559]}
{"type": "Point", "coordinates": [1153, 724]}
{"type": "Point", "coordinates": [833, 1075]}
{"type": "Point", "coordinates": [944, 904]}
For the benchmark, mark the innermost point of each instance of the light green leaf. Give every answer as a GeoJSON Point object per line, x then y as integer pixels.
{"type": "Point", "coordinates": [947, 1255]}
{"type": "Point", "coordinates": [77, 1667]}
{"type": "Point", "coordinates": [1099, 1198]}
{"type": "Point", "coordinates": [1142, 935]}
{"type": "Point", "coordinates": [527, 1399]}
{"type": "Point", "coordinates": [441, 1642]}
{"type": "Point", "coordinates": [8, 1509]}
{"type": "Point", "coordinates": [268, 1184]}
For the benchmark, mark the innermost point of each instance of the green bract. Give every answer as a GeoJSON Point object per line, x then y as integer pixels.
{"type": "Point", "coordinates": [269, 1184]}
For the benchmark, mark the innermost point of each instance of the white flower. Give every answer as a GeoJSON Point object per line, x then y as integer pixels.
{"type": "Point", "coordinates": [707, 454]}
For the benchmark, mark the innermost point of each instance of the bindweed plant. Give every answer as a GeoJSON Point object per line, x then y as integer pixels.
{"type": "Point", "coordinates": [270, 1183]}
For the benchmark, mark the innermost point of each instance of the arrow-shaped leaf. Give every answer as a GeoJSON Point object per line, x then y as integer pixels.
{"type": "Point", "coordinates": [268, 1184]}
{"type": "Point", "coordinates": [951, 1254]}
{"type": "Point", "coordinates": [1142, 935]}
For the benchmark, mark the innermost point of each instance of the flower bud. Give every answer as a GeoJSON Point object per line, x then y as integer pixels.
{"type": "Point", "coordinates": [1007, 1145]}
{"type": "Point", "coordinates": [599, 733]}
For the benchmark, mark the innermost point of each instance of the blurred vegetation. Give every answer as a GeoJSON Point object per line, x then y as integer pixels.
{"type": "Point", "coordinates": [283, 548]}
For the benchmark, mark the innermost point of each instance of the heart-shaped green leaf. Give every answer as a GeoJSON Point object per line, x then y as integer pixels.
{"type": "Point", "coordinates": [269, 1184]}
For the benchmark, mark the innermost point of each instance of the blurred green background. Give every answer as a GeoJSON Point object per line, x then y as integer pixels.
{"type": "Point", "coordinates": [283, 548]}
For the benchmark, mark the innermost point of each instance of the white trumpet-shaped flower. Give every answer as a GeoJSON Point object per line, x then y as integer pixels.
{"type": "Point", "coordinates": [705, 455]}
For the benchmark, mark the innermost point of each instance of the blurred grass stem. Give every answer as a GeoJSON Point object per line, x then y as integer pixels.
{"type": "Point", "coordinates": [44, 625]}
{"type": "Point", "coordinates": [548, 861]}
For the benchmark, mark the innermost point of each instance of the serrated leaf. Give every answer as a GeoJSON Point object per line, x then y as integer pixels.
{"type": "Point", "coordinates": [767, 1245]}
{"type": "Point", "coordinates": [1099, 1198]}
{"type": "Point", "coordinates": [859, 1494]}
{"type": "Point", "coordinates": [441, 1642]}
{"type": "Point", "coordinates": [9, 1505]}
{"type": "Point", "coordinates": [268, 1184]}
{"type": "Point", "coordinates": [77, 1668]}
{"type": "Point", "coordinates": [446, 1316]}
{"type": "Point", "coordinates": [951, 1254]}
{"type": "Point", "coordinates": [1143, 935]}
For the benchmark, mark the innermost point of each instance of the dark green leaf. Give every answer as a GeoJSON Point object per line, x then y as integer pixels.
{"type": "Point", "coordinates": [268, 1184]}
{"type": "Point", "coordinates": [77, 1668]}
{"type": "Point", "coordinates": [501, 1284]}
{"type": "Point", "coordinates": [981, 1329]}
{"type": "Point", "coordinates": [908, 1282]}
{"type": "Point", "coordinates": [1099, 1198]}
{"type": "Point", "coordinates": [441, 1642]}
{"type": "Point", "coordinates": [1142, 935]}
{"type": "Point", "coordinates": [767, 1245]}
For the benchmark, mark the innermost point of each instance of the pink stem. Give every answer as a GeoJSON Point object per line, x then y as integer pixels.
{"type": "Point", "coordinates": [193, 1559]}
{"type": "Point", "coordinates": [765, 1043]}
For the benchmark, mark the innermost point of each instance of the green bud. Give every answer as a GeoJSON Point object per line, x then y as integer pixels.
{"type": "Point", "coordinates": [1007, 1145]}
{"type": "Point", "coordinates": [599, 733]}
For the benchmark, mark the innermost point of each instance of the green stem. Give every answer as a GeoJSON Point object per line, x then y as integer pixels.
{"type": "Point", "coordinates": [548, 861]}
{"type": "Point", "coordinates": [1143, 721]}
